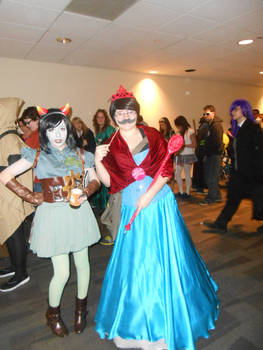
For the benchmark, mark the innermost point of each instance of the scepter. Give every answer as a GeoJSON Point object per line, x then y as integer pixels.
{"type": "Point", "coordinates": [174, 144]}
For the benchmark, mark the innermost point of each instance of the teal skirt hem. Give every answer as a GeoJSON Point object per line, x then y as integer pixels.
{"type": "Point", "coordinates": [156, 284]}
{"type": "Point", "coordinates": [59, 229]}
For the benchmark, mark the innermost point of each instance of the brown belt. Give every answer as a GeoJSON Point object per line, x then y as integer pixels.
{"type": "Point", "coordinates": [58, 189]}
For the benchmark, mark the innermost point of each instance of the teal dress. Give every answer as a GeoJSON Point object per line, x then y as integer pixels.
{"type": "Point", "coordinates": [57, 228]}
{"type": "Point", "coordinates": [100, 199]}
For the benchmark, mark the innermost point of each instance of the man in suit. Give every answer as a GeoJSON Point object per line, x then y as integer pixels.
{"type": "Point", "coordinates": [246, 177]}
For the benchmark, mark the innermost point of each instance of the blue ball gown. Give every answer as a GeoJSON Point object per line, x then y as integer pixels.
{"type": "Point", "coordinates": [156, 286]}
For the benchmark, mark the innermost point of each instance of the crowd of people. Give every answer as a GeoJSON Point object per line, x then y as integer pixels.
{"type": "Point", "coordinates": [209, 153]}
{"type": "Point", "coordinates": [157, 292]}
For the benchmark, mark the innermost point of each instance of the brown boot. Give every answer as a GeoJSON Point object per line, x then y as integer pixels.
{"type": "Point", "coordinates": [55, 322]}
{"type": "Point", "coordinates": [80, 315]}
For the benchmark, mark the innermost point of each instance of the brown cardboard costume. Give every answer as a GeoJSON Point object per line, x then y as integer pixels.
{"type": "Point", "coordinates": [13, 210]}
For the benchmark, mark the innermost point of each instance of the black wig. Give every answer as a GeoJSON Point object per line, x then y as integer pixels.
{"type": "Point", "coordinates": [51, 120]}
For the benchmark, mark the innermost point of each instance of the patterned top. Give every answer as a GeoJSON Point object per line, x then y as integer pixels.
{"type": "Point", "coordinates": [57, 163]}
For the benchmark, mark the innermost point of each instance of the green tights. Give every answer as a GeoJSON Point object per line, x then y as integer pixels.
{"type": "Point", "coordinates": [61, 275]}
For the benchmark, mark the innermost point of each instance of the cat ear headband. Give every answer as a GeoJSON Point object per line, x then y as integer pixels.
{"type": "Point", "coordinates": [63, 110]}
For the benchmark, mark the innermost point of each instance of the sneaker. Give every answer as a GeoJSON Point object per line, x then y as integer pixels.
{"type": "Point", "coordinates": [107, 240]}
{"type": "Point", "coordinates": [260, 229]}
{"type": "Point", "coordinates": [186, 196]}
{"type": "Point", "coordinates": [179, 195]}
{"type": "Point", "coordinates": [216, 227]}
{"type": "Point", "coordinates": [218, 200]}
{"type": "Point", "coordinates": [14, 283]}
{"type": "Point", "coordinates": [6, 272]}
{"type": "Point", "coordinates": [200, 191]}
{"type": "Point", "coordinates": [206, 202]}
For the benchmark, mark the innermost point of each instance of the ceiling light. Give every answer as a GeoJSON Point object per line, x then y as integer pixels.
{"type": "Point", "coordinates": [261, 72]}
{"type": "Point", "coordinates": [64, 40]}
{"type": "Point", "coordinates": [190, 70]}
{"type": "Point", "coordinates": [153, 71]}
{"type": "Point", "coordinates": [245, 42]}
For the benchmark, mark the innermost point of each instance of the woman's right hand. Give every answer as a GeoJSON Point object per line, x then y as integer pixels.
{"type": "Point", "coordinates": [101, 152]}
{"type": "Point", "coordinates": [37, 198]}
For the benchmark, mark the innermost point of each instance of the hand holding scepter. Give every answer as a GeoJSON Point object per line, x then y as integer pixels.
{"type": "Point", "coordinates": [174, 144]}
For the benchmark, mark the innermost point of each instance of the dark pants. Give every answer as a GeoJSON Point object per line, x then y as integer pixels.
{"type": "Point", "coordinates": [212, 170]}
{"type": "Point", "coordinates": [198, 181]}
{"type": "Point", "coordinates": [237, 190]}
{"type": "Point", "coordinates": [17, 249]}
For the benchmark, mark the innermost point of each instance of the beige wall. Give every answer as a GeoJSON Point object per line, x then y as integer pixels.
{"type": "Point", "coordinates": [87, 89]}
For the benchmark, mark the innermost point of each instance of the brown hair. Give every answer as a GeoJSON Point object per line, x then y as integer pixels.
{"type": "Point", "coordinates": [29, 113]}
{"type": "Point", "coordinates": [183, 123]}
{"type": "Point", "coordinates": [168, 127]}
{"type": "Point", "coordinates": [96, 126]}
{"type": "Point", "coordinates": [210, 107]}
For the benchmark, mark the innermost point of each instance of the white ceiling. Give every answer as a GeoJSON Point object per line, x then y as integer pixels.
{"type": "Point", "coordinates": [164, 35]}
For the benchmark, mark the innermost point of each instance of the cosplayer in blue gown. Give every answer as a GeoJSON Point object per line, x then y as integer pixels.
{"type": "Point", "coordinates": [156, 285]}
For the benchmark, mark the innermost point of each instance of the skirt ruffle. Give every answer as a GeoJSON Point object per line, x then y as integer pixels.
{"type": "Point", "coordinates": [185, 159]}
{"type": "Point", "coordinates": [59, 229]}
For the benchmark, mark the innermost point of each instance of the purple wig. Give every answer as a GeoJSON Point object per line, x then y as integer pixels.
{"type": "Point", "coordinates": [246, 111]}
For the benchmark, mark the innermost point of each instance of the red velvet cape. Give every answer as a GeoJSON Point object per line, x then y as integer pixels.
{"type": "Point", "coordinates": [120, 164]}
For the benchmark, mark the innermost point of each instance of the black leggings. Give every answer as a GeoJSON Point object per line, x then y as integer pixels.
{"type": "Point", "coordinates": [17, 249]}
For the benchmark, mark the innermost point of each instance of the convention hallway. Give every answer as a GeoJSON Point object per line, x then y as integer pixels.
{"type": "Point", "coordinates": [235, 260]}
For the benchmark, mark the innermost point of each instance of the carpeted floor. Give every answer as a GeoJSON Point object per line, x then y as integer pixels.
{"type": "Point", "coordinates": [235, 260]}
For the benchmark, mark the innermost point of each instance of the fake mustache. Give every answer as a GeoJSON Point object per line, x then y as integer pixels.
{"type": "Point", "coordinates": [127, 121]}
